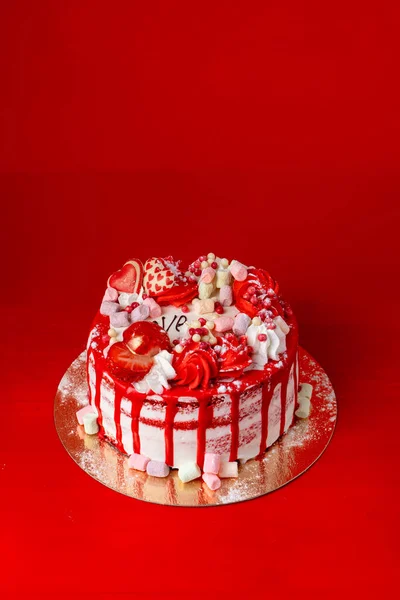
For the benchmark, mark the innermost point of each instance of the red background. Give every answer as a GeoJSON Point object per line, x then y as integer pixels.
{"type": "Point", "coordinates": [265, 131]}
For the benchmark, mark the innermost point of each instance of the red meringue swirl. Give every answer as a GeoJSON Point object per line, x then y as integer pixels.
{"type": "Point", "coordinates": [195, 367]}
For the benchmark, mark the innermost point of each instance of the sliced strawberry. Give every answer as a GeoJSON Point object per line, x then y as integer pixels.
{"type": "Point", "coordinates": [146, 338]}
{"type": "Point", "coordinates": [127, 365]}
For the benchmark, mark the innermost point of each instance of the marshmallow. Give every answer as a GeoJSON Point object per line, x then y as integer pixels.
{"type": "Point", "coordinates": [157, 469]}
{"type": "Point", "coordinates": [90, 423]}
{"type": "Point", "coordinates": [140, 313]}
{"type": "Point", "coordinates": [241, 324]}
{"type": "Point", "coordinates": [120, 319]}
{"type": "Point", "coordinates": [109, 308]}
{"type": "Point", "coordinates": [202, 307]}
{"type": "Point", "coordinates": [223, 324]}
{"type": "Point", "coordinates": [86, 410]}
{"type": "Point", "coordinates": [223, 278]}
{"type": "Point", "coordinates": [111, 295]}
{"type": "Point", "coordinates": [228, 469]}
{"type": "Point", "coordinates": [207, 275]}
{"type": "Point", "coordinates": [206, 290]}
{"type": "Point", "coordinates": [304, 397]}
{"type": "Point", "coordinates": [138, 462]}
{"type": "Point", "coordinates": [225, 295]}
{"type": "Point", "coordinates": [239, 271]}
{"type": "Point", "coordinates": [188, 472]}
{"type": "Point", "coordinates": [284, 327]}
{"type": "Point", "coordinates": [212, 481]}
{"type": "Point", "coordinates": [212, 463]}
{"type": "Point", "coordinates": [155, 309]}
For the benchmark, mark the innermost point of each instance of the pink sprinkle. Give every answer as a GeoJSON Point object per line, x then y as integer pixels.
{"type": "Point", "coordinates": [185, 308]}
{"type": "Point", "coordinates": [262, 337]}
{"type": "Point", "coordinates": [202, 321]}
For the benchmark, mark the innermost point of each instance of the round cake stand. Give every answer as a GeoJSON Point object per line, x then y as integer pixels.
{"type": "Point", "coordinates": [289, 457]}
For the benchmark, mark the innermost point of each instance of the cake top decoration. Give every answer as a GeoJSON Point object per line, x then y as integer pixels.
{"type": "Point", "coordinates": [161, 325]}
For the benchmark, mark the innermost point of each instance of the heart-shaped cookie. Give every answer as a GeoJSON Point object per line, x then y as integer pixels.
{"type": "Point", "coordinates": [158, 277]}
{"type": "Point", "coordinates": [129, 279]}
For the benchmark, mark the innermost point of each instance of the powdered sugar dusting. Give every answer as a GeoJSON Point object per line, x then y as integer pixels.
{"type": "Point", "coordinates": [74, 384]}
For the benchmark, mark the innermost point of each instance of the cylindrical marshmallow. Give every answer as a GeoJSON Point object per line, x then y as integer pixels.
{"type": "Point", "coordinates": [155, 309]}
{"type": "Point", "coordinates": [241, 324]}
{"type": "Point", "coordinates": [238, 270]}
{"type": "Point", "coordinates": [305, 391]}
{"type": "Point", "coordinates": [212, 463]}
{"type": "Point", "coordinates": [304, 397]}
{"type": "Point", "coordinates": [223, 324]}
{"type": "Point", "coordinates": [206, 290]}
{"type": "Point", "coordinates": [120, 319]}
{"type": "Point", "coordinates": [212, 481]}
{"type": "Point", "coordinates": [284, 327]}
{"type": "Point", "coordinates": [228, 469]}
{"type": "Point", "coordinates": [90, 424]}
{"type": "Point", "coordinates": [111, 295]}
{"type": "Point", "coordinates": [207, 275]}
{"type": "Point", "coordinates": [157, 469]}
{"type": "Point", "coordinates": [108, 308]}
{"type": "Point", "coordinates": [138, 462]}
{"type": "Point", "coordinates": [140, 313]}
{"type": "Point", "coordinates": [223, 278]}
{"type": "Point", "coordinates": [225, 295]}
{"type": "Point", "coordinates": [303, 411]}
{"type": "Point", "coordinates": [189, 472]}
{"type": "Point", "coordinates": [86, 410]}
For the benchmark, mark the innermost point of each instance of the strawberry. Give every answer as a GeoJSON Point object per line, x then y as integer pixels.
{"type": "Point", "coordinates": [127, 365]}
{"type": "Point", "coordinates": [146, 338]}
{"type": "Point", "coordinates": [132, 359]}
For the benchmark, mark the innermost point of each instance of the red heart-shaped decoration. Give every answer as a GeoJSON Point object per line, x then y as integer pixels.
{"type": "Point", "coordinates": [129, 278]}
{"type": "Point", "coordinates": [150, 277]}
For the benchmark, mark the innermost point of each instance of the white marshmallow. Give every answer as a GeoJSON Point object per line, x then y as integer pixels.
{"type": "Point", "coordinates": [90, 424]}
{"type": "Point", "coordinates": [189, 472]}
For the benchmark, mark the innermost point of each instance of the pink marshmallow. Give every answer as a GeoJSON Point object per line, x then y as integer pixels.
{"type": "Point", "coordinates": [212, 463]}
{"type": "Point", "coordinates": [120, 319]}
{"type": "Point", "coordinates": [223, 324]}
{"type": "Point", "coordinates": [155, 309]}
{"type": "Point", "coordinates": [111, 295]}
{"type": "Point", "coordinates": [140, 313]}
{"type": "Point", "coordinates": [212, 481]}
{"type": "Point", "coordinates": [157, 469]}
{"type": "Point", "coordinates": [225, 295]}
{"type": "Point", "coordinates": [202, 307]}
{"type": "Point", "coordinates": [228, 469]}
{"type": "Point", "coordinates": [239, 271]}
{"type": "Point", "coordinates": [241, 324]}
{"type": "Point", "coordinates": [108, 308]}
{"type": "Point", "coordinates": [138, 462]}
{"type": "Point", "coordinates": [86, 410]}
{"type": "Point", "coordinates": [207, 275]}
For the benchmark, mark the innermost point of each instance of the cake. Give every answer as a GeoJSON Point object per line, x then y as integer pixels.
{"type": "Point", "coordinates": [192, 366]}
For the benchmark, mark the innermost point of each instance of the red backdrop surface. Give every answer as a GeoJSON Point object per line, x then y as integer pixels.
{"type": "Point", "coordinates": [264, 131]}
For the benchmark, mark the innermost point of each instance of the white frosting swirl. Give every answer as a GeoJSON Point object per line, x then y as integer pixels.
{"type": "Point", "coordinates": [274, 344]}
{"type": "Point", "coordinates": [157, 378]}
